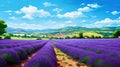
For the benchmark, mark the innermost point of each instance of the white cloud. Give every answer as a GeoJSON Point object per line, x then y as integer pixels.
{"type": "Point", "coordinates": [84, 9]}
{"type": "Point", "coordinates": [70, 15]}
{"type": "Point", "coordinates": [48, 4]}
{"type": "Point", "coordinates": [18, 12]}
{"type": "Point", "coordinates": [25, 25]}
{"type": "Point", "coordinates": [82, 3]}
{"type": "Point", "coordinates": [118, 17]}
{"type": "Point", "coordinates": [42, 13]}
{"type": "Point", "coordinates": [68, 22]}
{"type": "Point", "coordinates": [29, 11]}
{"type": "Point", "coordinates": [79, 12]}
{"type": "Point", "coordinates": [32, 11]}
{"type": "Point", "coordinates": [57, 24]}
{"type": "Point", "coordinates": [57, 10]}
{"type": "Point", "coordinates": [93, 5]}
{"type": "Point", "coordinates": [83, 21]}
{"type": "Point", "coordinates": [8, 11]}
{"type": "Point", "coordinates": [50, 24]}
{"type": "Point", "coordinates": [12, 18]}
{"type": "Point", "coordinates": [107, 22]}
{"type": "Point", "coordinates": [115, 12]}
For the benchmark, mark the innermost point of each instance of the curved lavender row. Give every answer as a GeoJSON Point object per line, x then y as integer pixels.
{"type": "Point", "coordinates": [105, 42]}
{"type": "Point", "coordinates": [46, 57]}
{"type": "Point", "coordinates": [21, 52]}
{"type": "Point", "coordinates": [10, 56]}
{"type": "Point", "coordinates": [101, 49]}
{"type": "Point", "coordinates": [3, 63]}
{"type": "Point", "coordinates": [84, 43]}
{"type": "Point", "coordinates": [88, 57]}
{"type": "Point", "coordinates": [18, 43]}
{"type": "Point", "coordinates": [14, 55]}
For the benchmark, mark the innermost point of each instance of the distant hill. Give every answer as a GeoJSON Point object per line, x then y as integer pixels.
{"type": "Point", "coordinates": [63, 30]}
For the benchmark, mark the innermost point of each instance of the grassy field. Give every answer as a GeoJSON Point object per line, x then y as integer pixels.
{"type": "Point", "coordinates": [21, 38]}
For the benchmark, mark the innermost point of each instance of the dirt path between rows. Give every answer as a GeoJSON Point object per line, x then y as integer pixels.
{"type": "Point", "coordinates": [63, 60]}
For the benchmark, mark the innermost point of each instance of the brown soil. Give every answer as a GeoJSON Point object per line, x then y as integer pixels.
{"type": "Point", "coordinates": [63, 60]}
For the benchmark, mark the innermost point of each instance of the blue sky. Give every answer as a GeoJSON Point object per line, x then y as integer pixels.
{"type": "Point", "coordinates": [44, 14]}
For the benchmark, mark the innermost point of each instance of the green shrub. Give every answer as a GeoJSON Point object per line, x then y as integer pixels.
{"type": "Point", "coordinates": [7, 36]}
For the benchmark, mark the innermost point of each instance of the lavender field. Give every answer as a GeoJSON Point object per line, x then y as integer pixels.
{"type": "Point", "coordinates": [41, 53]}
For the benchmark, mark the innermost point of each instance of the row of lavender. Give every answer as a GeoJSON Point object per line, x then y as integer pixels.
{"type": "Point", "coordinates": [94, 52]}
{"type": "Point", "coordinates": [13, 51]}
{"type": "Point", "coordinates": [46, 57]}
{"type": "Point", "coordinates": [99, 46]}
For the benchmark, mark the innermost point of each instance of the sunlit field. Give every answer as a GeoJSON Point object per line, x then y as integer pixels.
{"type": "Point", "coordinates": [59, 33]}
{"type": "Point", "coordinates": [60, 53]}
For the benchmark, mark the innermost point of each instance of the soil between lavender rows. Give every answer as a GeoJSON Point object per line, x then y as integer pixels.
{"type": "Point", "coordinates": [63, 60]}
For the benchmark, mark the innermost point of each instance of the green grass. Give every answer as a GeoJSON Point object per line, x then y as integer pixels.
{"type": "Point", "coordinates": [21, 38]}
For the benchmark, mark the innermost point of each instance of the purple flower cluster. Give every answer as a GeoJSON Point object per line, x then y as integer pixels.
{"type": "Point", "coordinates": [13, 51]}
{"type": "Point", "coordinates": [94, 52]}
{"type": "Point", "coordinates": [45, 57]}
{"type": "Point", "coordinates": [3, 63]}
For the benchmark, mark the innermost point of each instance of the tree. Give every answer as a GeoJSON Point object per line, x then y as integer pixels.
{"type": "Point", "coordinates": [7, 36]}
{"type": "Point", "coordinates": [74, 36]}
{"type": "Point", "coordinates": [116, 34]}
{"type": "Point", "coordinates": [80, 35]}
{"type": "Point", "coordinates": [2, 27]}
{"type": "Point", "coordinates": [67, 37]}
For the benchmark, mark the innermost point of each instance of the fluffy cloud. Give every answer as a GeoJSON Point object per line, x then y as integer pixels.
{"type": "Point", "coordinates": [84, 9]}
{"type": "Point", "coordinates": [115, 12]}
{"type": "Point", "coordinates": [12, 18]}
{"type": "Point", "coordinates": [47, 4]}
{"type": "Point", "coordinates": [93, 5]}
{"type": "Point", "coordinates": [118, 17]}
{"type": "Point", "coordinates": [57, 10]}
{"type": "Point", "coordinates": [25, 25]}
{"type": "Point", "coordinates": [8, 11]}
{"type": "Point", "coordinates": [107, 22]}
{"type": "Point", "coordinates": [83, 21]}
{"type": "Point", "coordinates": [18, 12]}
{"type": "Point", "coordinates": [50, 24]}
{"type": "Point", "coordinates": [79, 12]}
{"type": "Point", "coordinates": [32, 11]}
{"type": "Point", "coordinates": [70, 15]}
{"type": "Point", "coordinates": [82, 3]}
{"type": "Point", "coordinates": [68, 22]}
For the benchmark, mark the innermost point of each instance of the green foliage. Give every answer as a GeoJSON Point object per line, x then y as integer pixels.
{"type": "Point", "coordinates": [116, 34]}
{"type": "Point", "coordinates": [60, 54]}
{"type": "Point", "coordinates": [80, 35]}
{"type": "Point", "coordinates": [74, 37]}
{"type": "Point", "coordinates": [0, 37]}
{"type": "Point", "coordinates": [98, 51]}
{"type": "Point", "coordinates": [8, 58]}
{"type": "Point", "coordinates": [96, 64]}
{"type": "Point", "coordinates": [92, 36]}
{"type": "Point", "coordinates": [69, 57]}
{"type": "Point", "coordinates": [39, 38]}
{"type": "Point", "coordinates": [67, 37]}
{"type": "Point", "coordinates": [21, 55]}
{"type": "Point", "coordinates": [28, 51]}
{"type": "Point", "coordinates": [2, 27]}
{"type": "Point", "coordinates": [85, 59]}
{"type": "Point", "coordinates": [7, 36]}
